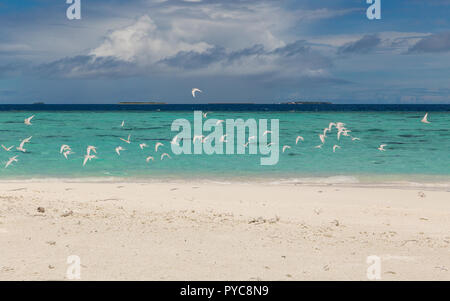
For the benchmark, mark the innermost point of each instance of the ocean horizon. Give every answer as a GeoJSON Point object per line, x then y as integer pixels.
{"type": "Point", "coordinates": [223, 106]}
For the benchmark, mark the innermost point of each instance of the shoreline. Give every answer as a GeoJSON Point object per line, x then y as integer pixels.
{"type": "Point", "coordinates": [212, 231]}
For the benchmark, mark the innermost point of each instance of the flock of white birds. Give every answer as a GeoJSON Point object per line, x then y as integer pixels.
{"type": "Point", "coordinates": [66, 150]}
{"type": "Point", "coordinates": [341, 131]}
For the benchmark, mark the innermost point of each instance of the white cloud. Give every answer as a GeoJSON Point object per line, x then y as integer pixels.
{"type": "Point", "coordinates": [169, 28]}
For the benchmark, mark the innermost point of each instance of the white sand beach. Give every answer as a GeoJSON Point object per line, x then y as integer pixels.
{"type": "Point", "coordinates": [222, 231]}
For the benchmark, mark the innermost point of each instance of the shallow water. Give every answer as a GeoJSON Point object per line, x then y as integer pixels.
{"type": "Point", "coordinates": [414, 152]}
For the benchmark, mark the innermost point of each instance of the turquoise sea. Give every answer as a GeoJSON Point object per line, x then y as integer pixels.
{"type": "Point", "coordinates": [415, 151]}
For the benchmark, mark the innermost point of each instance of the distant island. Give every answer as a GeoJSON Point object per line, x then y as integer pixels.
{"type": "Point", "coordinates": [307, 103]}
{"type": "Point", "coordinates": [141, 103]}
{"type": "Point", "coordinates": [226, 103]}
{"type": "Point", "coordinates": [231, 103]}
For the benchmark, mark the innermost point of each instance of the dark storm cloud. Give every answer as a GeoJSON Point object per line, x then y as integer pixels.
{"type": "Point", "coordinates": [364, 45]}
{"type": "Point", "coordinates": [296, 54]}
{"type": "Point", "coordinates": [13, 68]}
{"type": "Point", "coordinates": [434, 43]}
{"type": "Point", "coordinates": [196, 60]}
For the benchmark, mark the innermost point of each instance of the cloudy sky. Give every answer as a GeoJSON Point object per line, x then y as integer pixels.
{"type": "Point", "coordinates": [234, 50]}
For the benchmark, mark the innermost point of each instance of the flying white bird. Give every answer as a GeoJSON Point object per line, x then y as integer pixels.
{"type": "Point", "coordinates": [222, 139]}
{"type": "Point", "coordinates": [63, 148]}
{"type": "Point", "coordinates": [66, 153]}
{"type": "Point", "coordinates": [91, 148]}
{"type": "Point", "coordinates": [322, 138]}
{"type": "Point", "coordinates": [7, 148]}
{"type": "Point", "coordinates": [339, 125]}
{"type": "Point", "coordinates": [20, 148]}
{"type": "Point", "coordinates": [342, 131]}
{"type": "Point", "coordinates": [143, 145]}
{"type": "Point", "coordinates": [157, 145]}
{"type": "Point", "coordinates": [354, 139]}
{"type": "Point", "coordinates": [123, 123]}
{"type": "Point", "coordinates": [425, 119]}
{"type": "Point", "coordinates": [299, 138]}
{"type": "Point", "coordinates": [334, 148]}
{"type": "Point", "coordinates": [165, 155]}
{"type": "Point", "coordinates": [27, 121]}
{"type": "Point", "coordinates": [286, 147]}
{"type": "Point", "coordinates": [118, 149]}
{"type": "Point", "coordinates": [126, 140]}
{"type": "Point", "coordinates": [11, 160]}
{"type": "Point", "coordinates": [26, 140]}
{"type": "Point", "coordinates": [195, 90]}
{"type": "Point", "coordinates": [318, 146]}
{"type": "Point", "coordinates": [331, 125]}
{"type": "Point", "coordinates": [205, 114]}
{"type": "Point", "coordinates": [174, 140]}
{"type": "Point", "coordinates": [381, 148]}
{"type": "Point", "coordinates": [88, 158]}
{"type": "Point", "coordinates": [149, 158]}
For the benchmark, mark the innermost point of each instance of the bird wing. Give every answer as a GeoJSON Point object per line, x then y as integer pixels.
{"type": "Point", "coordinates": [64, 147]}
{"type": "Point", "coordinates": [25, 141]}
{"type": "Point", "coordinates": [322, 138]}
{"type": "Point", "coordinates": [22, 143]}
{"type": "Point", "coordinates": [158, 145]}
